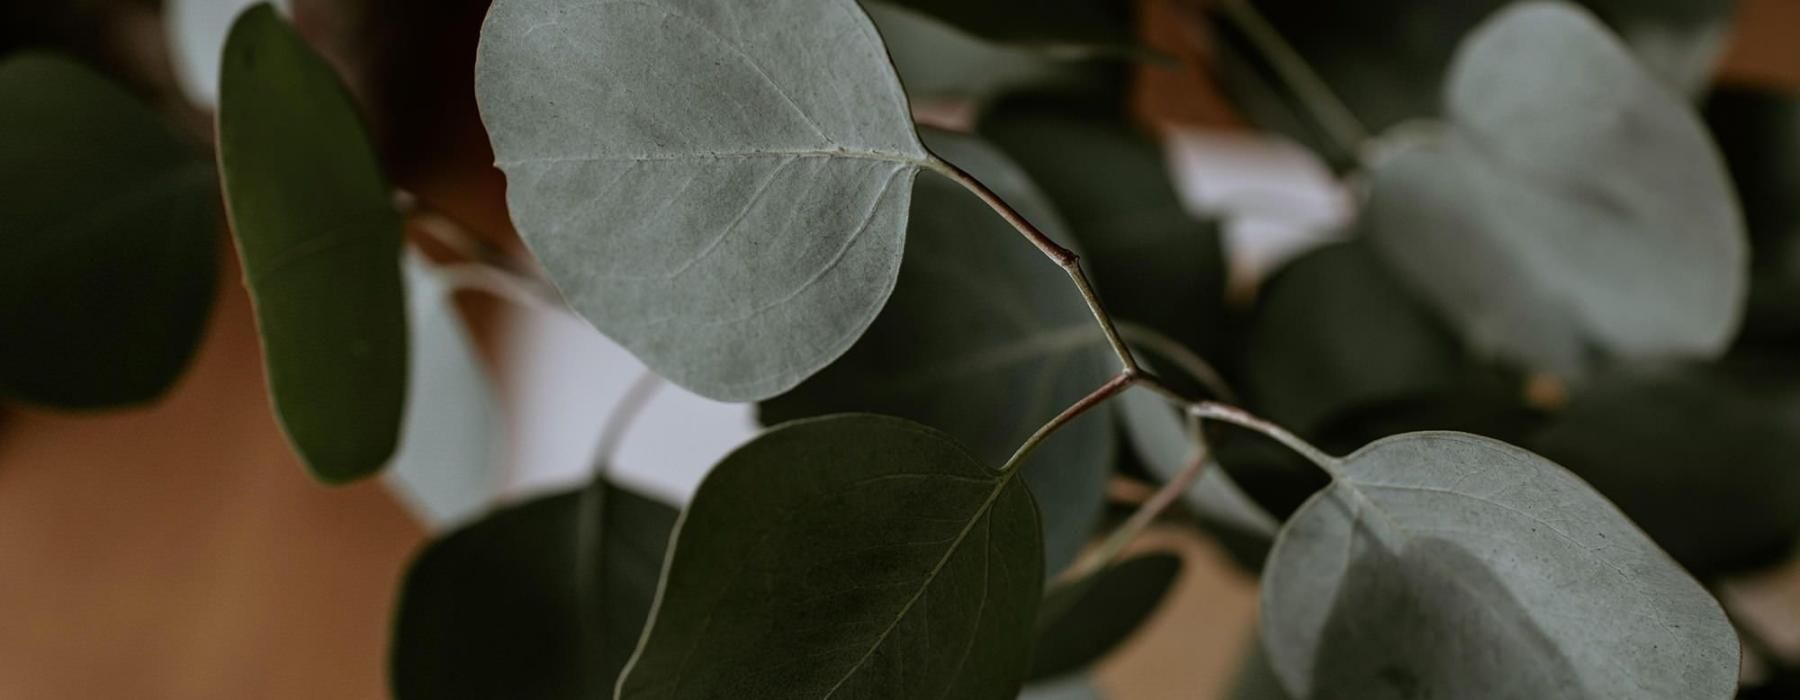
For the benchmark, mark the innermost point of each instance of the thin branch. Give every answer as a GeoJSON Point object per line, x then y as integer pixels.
{"type": "Point", "coordinates": [1191, 364]}
{"type": "Point", "coordinates": [1118, 383]}
{"type": "Point", "coordinates": [1063, 257]}
{"type": "Point", "coordinates": [1334, 116]}
{"type": "Point", "coordinates": [630, 405]}
{"type": "Point", "coordinates": [1236, 416]}
{"type": "Point", "coordinates": [1141, 519]}
{"type": "Point", "coordinates": [523, 291]}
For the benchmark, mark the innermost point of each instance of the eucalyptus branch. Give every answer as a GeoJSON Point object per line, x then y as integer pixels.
{"type": "Point", "coordinates": [1147, 512]}
{"type": "Point", "coordinates": [1112, 387]}
{"type": "Point", "coordinates": [1063, 257]}
{"type": "Point", "coordinates": [1333, 115]}
{"type": "Point", "coordinates": [631, 404]}
{"type": "Point", "coordinates": [1191, 364]}
{"type": "Point", "coordinates": [1212, 410]}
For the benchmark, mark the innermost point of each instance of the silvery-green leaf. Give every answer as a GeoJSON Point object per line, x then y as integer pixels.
{"type": "Point", "coordinates": [447, 467]}
{"type": "Point", "coordinates": [987, 340]}
{"type": "Point", "coordinates": [542, 599]}
{"type": "Point", "coordinates": [1573, 211]}
{"type": "Point", "coordinates": [1162, 442]}
{"type": "Point", "coordinates": [720, 187]}
{"type": "Point", "coordinates": [107, 240]}
{"type": "Point", "coordinates": [1679, 41]}
{"type": "Point", "coordinates": [852, 556]}
{"type": "Point", "coordinates": [1449, 565]}
{"type": "Point", "coordinates": [936, 60]}
{"type": "Point", "coordinates": [315, 225]}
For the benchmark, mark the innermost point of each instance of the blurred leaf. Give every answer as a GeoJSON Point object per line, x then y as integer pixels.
{"type": "Point", "coordinates": [195, 33]}
{"type": "Point", "coordinates": [1074, 25]}
{"type": "Point", "coordinates": [448, 464]}
{"type": "Point", "coordinates": [544, 599]}
{"type": "Point", "coordinates": [1759, 133]}
{"type": "Point", "coordinates": [854, 556]}
{"type": "Point", "coordinates": [1255, 680]}
{"type": "Point", "coordinates": [1080, 621]}
{"type": "Point", "coordinates": [985, 339]}
{"type": "Point", "coordinates": [1334, 331]}
{"type": "Point", "coordinates": [1071, 688]}
{"type": "Point", "coordinates": [320, 241]}
{"type": "Point", "coordinates": [1434, 545]}
{"type": "Point", "coordinates": [1575, 211]}
{"type": "Point", "coordinates": [107, 240]}
{"type": "Point", "coordinates": [1154, 263]}
{"type": "Point", "coordinates": [720, 188]}
{"type": "Point", "coordinates": [1386, 61]}
{"type": "Point", "coordinates": [1162, 442]}
{"type": "Point", "coordinates": [1702, 458]}
{"type": "Point", "coordinates": [938, 61]}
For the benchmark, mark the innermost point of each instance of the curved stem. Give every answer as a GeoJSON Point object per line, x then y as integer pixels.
{"type": "Point", "coordinates": [1118, 383]}
{"type": "Point", "coordinates": [523, 291]}
{"type": "Point", "coordinates": [1334, 116]}
{"type": "Point", "coordinates": [1212, 410]}
{"type": "Point", "coordinates": [1140, 520]}
{"type": "Point", "coordinates": [1063, 257]}
{"type": "Point", "coordinates": [630, 405]}
{"type": "Point", "coordinates": [1191, 364]}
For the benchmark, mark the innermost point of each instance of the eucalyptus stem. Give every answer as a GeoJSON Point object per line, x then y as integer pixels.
{"type": "Point", "coordinates": [1063, 257]}
{"type": "Point", "coordinates": [1112, 387]}
{"type": "Point", "coordinates": [1141, 519]}
{"type": "Point", "coordinates": [1191, 364]}
{"type": "Point", "coordinates": [1334, 116]}
{"type": "Point", "coordinates": [630, 405]}
{"type": "Point", "coordinates": [1213, 410]}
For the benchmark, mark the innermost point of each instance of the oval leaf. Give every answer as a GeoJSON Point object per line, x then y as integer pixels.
{"type": "Point", "coordinates": [544, 599]}
{"type": "Point", "coordinates": [107, 248]}
{"type": "Point", "coordinates": [1575, 209]}
{"type": "Point", "coordinates": [721, 189]}
{"type": "Point", "coordinates": [1450, 565]}
{"type": "Point", "coordinates": [320, 241]}
{"type": "Point", "coordinates": [851, 557]}
{"type": "Point", "coordinates": [986, 340]}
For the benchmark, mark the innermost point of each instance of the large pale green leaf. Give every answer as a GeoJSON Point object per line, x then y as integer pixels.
{"type": "Point", "coordinates": [1334, 331]}
{"type": "Point", "coordinates": [447, 467]}
{"type": "Point", "coordinates": [846, 557]}
{"type": "Point", "coordinates": [544, 599]}
{"type": "Point", "coordinates": [1701, 457]}
{"type": "Point", "coordinates": [987, 340]}
{"type": "Point", "coordinates": [1450, 565]}
{"type": "Point", "coordinates": [107, 240]}
{"type": "Point", "coordinates": [320, 241]}
{"type": "Point", "coordinates": [1082, 620]}
{"type": "Point", "coordinates": [720, 187]}
{"type": "Point", "coordinates": [1154, 263]}
{"type": "Point", "coordinates": [1575, 209]}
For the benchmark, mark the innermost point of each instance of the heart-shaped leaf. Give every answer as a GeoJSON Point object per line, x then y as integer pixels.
{"type": "Point", "coordinates": [544, 599]}
{"type": "Point", "coordinates": [721, 188]}
{"type": "Point", "coordinates": [986, 340]}
{"type": "Point", "coordinates": [320, 240]}
{"type": "Point", "coordinates": [1081, 620]}
{"type": "Point", "coordinates": [447, 465]}
{"type": "Point", "coordinates": [107, 240]}
{"type": "Point", "coordinates": [851, 556]}
{"type": "Point", "coordinates": [1574, 211]}
{"type": "Point", "coordinates": [1450, 565]}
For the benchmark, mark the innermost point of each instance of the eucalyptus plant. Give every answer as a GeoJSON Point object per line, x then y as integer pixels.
{"type": "Point", "coordinates": [738, 193]}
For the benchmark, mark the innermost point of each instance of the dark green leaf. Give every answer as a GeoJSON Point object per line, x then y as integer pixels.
{"type": "Point", "coordinates": [1080, 621]}
{"type": "Point", "coordinates": [1575, 210]}
{"type": "Point", "coordinates": [1334, 331]}
{"type": "Point", "coordinates": [721, 188]}
{"type": "Point", "coordinates": [1450, 565]}
{"type": "Point", "coordinates": [320, 241]}
{"type": "Point", "coordinates": [544, 599]}
{"type": "Point", "coordinates": [938, 61]}
{"type": "Point", "coordinates": [1155, 264]}
{"type": "Point", "coordinates": [107, 247]}
{"type": "Point", "coordinates": [846, 557]}
{"type": "Point", "coordinates": [1067, 24]}
{"type": "Point", "coordinates": [1759, 132]}
{"type": "Point", "coordinates": [1702, 458]}
{"type": "Point", "coordinates": [987, 340]}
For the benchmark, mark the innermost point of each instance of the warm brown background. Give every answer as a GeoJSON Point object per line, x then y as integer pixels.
{"type": "Point", "coordinates": [180, 551]}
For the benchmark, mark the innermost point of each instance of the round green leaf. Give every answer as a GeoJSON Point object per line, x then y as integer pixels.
{"type": "Point", "coordinates": [853, 556]}
{"type": "Point", "coordinates": [320, 241]}
{"type": "Point", "coordinates": [544, 599]}
{"type": "Point", "coordinates": [1574, 210]}
{"type": "Point", "coordinates": [1700, 457]}
{"type": "Point", "coordinates": [986, 340]}
{"type": "Point", "coordinates": [107, 240]}
{"type": "Point", "coordinates": [1449, 565]}
{"type": "Point", "coordinates": [720, 188]}
{"type": "Point", "coordinates": [1080, 621]}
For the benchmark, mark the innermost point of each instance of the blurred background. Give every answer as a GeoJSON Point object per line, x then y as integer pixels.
{"type": "Point", "coordinates": [180, 550]}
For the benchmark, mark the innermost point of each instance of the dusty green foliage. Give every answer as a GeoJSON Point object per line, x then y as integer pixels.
{"type": "Point", "coordinates": [107, 240]}
{"type": "Point", "coordinates": [320, 241]}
